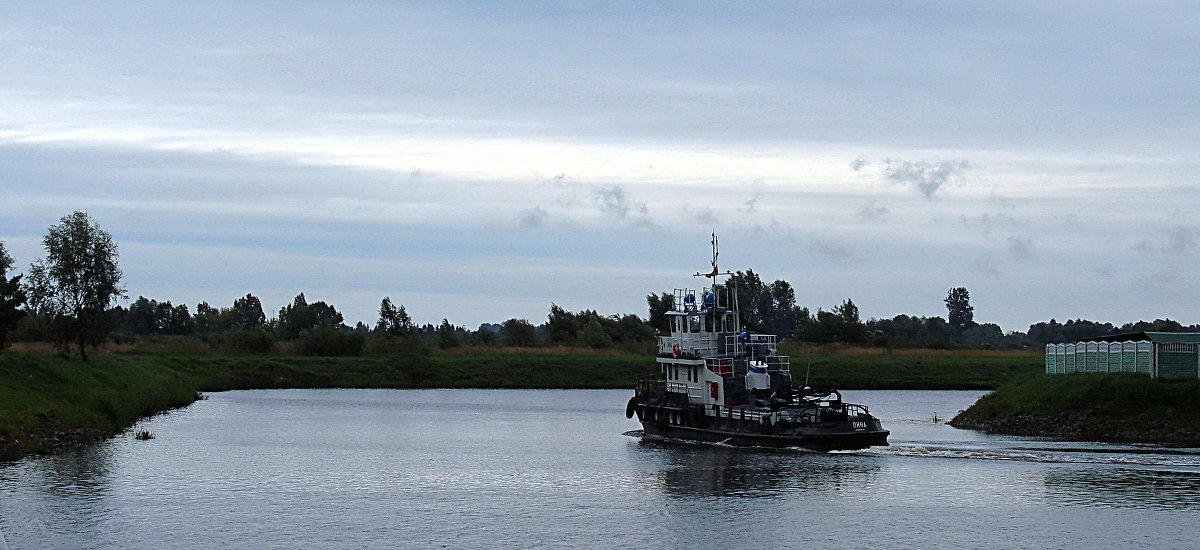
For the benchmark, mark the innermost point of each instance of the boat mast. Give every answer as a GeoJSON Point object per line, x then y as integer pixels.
{"type": "Point", "coordinates": [716, 272]}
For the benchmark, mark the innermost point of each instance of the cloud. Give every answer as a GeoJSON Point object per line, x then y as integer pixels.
{"type": "Point", "coordinates": [774, 229]}
{"type": "Point", "coordinates": [985, 222]}
{"type": "Point", "coordinates": [534, 218]}
{"type": "Point", "coordinates": [756, 193]}
{"type": "Point", "coordinates": [1020, 248]}
{"type": "Point", "coordinates": [1182, 239]}
{"type": "Point", "coordinates": [834, 251]}
{"type": "Point", "coordinates": [925, 176]}
{"type": "Point", "coordinates": [614, 201]}
{"type": "Point", "coordinates": [702, 215]}
{"type": "Point", "coordinates": [1145, 246]}
{"type": "Point", "coordinates": [568, 192]}
{"type": "Point", "coordinates": [859, 163]}
{"type": "Point", "coordinates": [984, 264]}
{"type": "Point", "coordinates": [1103, 270]}
{"type": "Point", "coordinates": [1177, 240]}
{"type": "Point", "coordinates": [874, 213]}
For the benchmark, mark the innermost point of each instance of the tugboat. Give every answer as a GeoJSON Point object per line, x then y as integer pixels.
{"type": "Point", "coordinates": [719, 383]}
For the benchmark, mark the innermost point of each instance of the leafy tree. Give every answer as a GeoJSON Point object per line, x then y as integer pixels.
{"type": "Point", "coordinates": [176, 319]}
{"type": "Point", "coordinates": [393, 321]}
{"type": "Point", "coordinates": [1071, 331]}
{"type": "Point", "coordinates": [1157, 325]}
{"type": "Point", "coordinates": [142, 316]}
{"type": "Point", "coordinates": [754, 300]}
{"type": "Point", "coordinates": [248, 312]}
{"type": "Point", "coordinates": [12, 297]}
{"type": "Point", "coordinates": [806, 327]}
{"type": "Point", "coordinates": [447, 335]}
{"type": "Point", "coordinates": [147, 316]}
{"type": "Point", "coordinates": [594, 336]}
{"type": "Point", "coordinates": [959, 311]}
{"type": "Point", "coordinates": [518, 333]}
{"type": "Point", "coordinates": [912, 331]}
{"type": "Point", "coordinates": [210, 319]}
{"type": "Point", "coordinates": [630, 328]}
{"type": "Point", "coordinates": [301, 316]}
{"type": "Point", "coordinates": [329, 340]}
{"type": "Point", "coordinates": [852, 329]}
{"type": "Point", "coordinates": [986, 334]}
{"type": "Point", "coordinates": [562, 326]}
{"type": "Point", "coordinates": [782, 314]}
{"type": "Point", "coordinates": [77, 281]}
{"type": "Point", "coordinates": [486, 334]}
{"type": "Point", "coordinates": [660, 304]}
{"type": "Point", "coordinates": [253, 341]}
{"type": "Point", "coordinates": [768, 309]}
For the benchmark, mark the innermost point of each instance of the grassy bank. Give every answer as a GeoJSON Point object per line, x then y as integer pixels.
{"type": "Point", "coordinates": [1091, 407]}
{"type": "Point", "coordinates": [910, 369]}
{"type": "Point", "coordinates": [47, 402]}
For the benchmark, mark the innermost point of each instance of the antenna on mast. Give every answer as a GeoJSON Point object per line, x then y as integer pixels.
{"type": "Point", "coordinates": [713, 274]}
{"type": "Point", "coordinates": [715, 252]}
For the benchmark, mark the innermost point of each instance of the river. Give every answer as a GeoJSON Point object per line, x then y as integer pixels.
{"type": "Point", "coordinates": [565, 469]}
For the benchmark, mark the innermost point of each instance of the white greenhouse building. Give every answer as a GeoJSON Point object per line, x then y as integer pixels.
{"type": "Point", "coordinates": [1158, 354]}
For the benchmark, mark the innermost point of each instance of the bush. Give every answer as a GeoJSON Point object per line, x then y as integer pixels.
{"type": "Point", "coordinates": [251, 341]}
{"type": "Point", "coordinates": [327, 341]}
{"type": "Point", "coordinates": [384, 344]}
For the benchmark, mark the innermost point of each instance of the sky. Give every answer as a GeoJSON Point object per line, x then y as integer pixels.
{"type": "Point", "coordinates": [478, 161]}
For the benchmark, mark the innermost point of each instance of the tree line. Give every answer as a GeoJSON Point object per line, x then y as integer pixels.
{"type": "Point", "coordinates": [771, 308]}
{"type": "Point", "coordinates": [69, 298]}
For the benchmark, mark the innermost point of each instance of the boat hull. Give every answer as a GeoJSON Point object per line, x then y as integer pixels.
{"type": "Point", "coordinates": [838, 434]}
{"type": "Point", "coordinates": [844, 441]}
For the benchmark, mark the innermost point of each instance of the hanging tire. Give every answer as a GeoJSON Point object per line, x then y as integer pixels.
{"type": "Point", "coordinates": [631, 407]}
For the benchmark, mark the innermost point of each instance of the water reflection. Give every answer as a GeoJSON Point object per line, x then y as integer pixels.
{"type": "Point", "coordinates": [78, 473]}
{"type": "Point", "coordinates": [690, 470]}
{"type": "Point", "coordinates": [1125, 488]}
{"type": "Point", "coordinates": [65, 498]}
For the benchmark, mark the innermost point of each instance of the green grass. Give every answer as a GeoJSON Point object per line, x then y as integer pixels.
{"type": "Point", "coordinates": [46, 401]}
{"type": "Point", "coordinates": [917, 369]}
{"type": "Point", "coordinates": [1101, 407]}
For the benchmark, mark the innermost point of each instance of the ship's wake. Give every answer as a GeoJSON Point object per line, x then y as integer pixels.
{"type": "Point", "coordinates": [1188, 459]}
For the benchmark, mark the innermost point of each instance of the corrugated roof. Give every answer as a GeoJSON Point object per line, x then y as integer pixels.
{"type": "Point", "coordinates": [1160, 337]}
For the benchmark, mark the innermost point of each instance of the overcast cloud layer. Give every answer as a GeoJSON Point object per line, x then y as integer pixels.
{"type": "Point", "coordinates": [480, 161]}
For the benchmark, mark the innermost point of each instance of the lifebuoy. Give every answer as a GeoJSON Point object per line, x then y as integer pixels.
{"type": "Point", "coordinates": [675, 350]}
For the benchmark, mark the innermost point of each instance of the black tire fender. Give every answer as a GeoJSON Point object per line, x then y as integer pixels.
{"type": "Point", "coordinates": [631, 407]}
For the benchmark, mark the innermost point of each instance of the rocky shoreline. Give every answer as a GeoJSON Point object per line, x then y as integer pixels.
{"type": "Point", "coordinates": [50, 439]}
{"type": "Point", "coordinates": [1080, 426]}
{"type": "Point", "coordinates": [1110, 407]}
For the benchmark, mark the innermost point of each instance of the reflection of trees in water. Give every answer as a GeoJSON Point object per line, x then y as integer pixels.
{"type": "Point", "coordinates": [80, 472]}
{"type": "Point", "coordinates": [691, 470]}
{"type": "Point", "coordinates": [1125, 488]}
{"type": "Point", "coordinates": [61, 497]}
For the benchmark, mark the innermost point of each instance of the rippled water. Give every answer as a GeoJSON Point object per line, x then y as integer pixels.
{"type": "Point", "coordinates": [498, 468]}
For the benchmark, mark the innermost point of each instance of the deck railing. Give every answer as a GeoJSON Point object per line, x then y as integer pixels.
{"type": "Point", "coordinates": [691, 343]}
{"type": "Point", "coordinates": [803, 416]}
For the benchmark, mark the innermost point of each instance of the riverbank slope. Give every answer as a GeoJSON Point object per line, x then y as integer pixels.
{"type": "Point", "coordinates": [1131, 408]}
{"type": "Point", "coordinates": [48, 402]}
